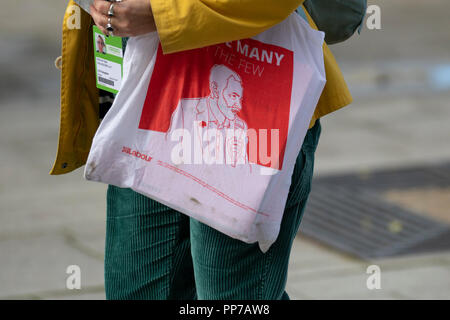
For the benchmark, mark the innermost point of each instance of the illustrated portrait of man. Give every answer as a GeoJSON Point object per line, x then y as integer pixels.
{"type": "Point", "coordinates": [219, 111]}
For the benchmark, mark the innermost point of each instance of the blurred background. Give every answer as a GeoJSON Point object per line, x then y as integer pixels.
{"type": "Point", "coordinates": [383, 166]}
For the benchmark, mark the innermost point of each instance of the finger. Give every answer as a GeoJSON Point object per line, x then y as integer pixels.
{"type": "Point", "coordinates": [119, 20]}
{"type": "Point", "coordinates": [120, 10]}
{"type": "Point", "coordinates": [102, 6]}
{"type": "Point", "coordinates": [99, 19]}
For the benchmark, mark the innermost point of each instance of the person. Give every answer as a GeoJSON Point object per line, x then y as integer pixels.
{"type": "Point", "coordinates": [100, 42]}
{"type": "Point", "coordinates": [153, 251]}
{"type": "Point", "coordinates": [217, 115]}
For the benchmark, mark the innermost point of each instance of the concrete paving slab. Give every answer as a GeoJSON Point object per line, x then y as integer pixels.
{"type": "Point", "coordinates": [422, 283]}
{"type": "Point", "coordinates": [409, 277]}
{"type": "Point", "coordinates": [295, 293]}
{"type": "Point", "coordinates": [378, 134]}
{"type": "Point", "coordinates": [35, 264]}
{"type": "Point", "coordinates": [308, 255]}
{"type": "Point", "coordinates": [86, 296]}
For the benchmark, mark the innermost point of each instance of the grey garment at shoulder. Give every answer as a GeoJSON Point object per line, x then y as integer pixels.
{"type": "Point", "coordinates": [339, 19]}
{"type": "Point", "coordinates": [85, 4]}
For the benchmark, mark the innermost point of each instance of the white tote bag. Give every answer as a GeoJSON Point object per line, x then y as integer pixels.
{"type": "Point", "coordinates": [214, 132]}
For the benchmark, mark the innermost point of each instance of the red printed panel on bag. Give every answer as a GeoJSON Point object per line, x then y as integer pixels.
{"type": "Point", "coordinates": [246, 83]}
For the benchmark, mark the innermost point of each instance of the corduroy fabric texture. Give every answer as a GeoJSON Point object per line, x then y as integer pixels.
{"type": "Point", "coordinates": [154, 252]}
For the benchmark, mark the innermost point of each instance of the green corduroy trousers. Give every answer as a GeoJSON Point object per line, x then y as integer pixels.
{"type": "Point", "coordinates": [154, 252]}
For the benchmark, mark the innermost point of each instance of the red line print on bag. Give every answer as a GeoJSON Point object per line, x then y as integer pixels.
{"type": "Point", "coordinates": [136, 154]}
{"type": "Point", "coordinates": [217, 114]}
{"type": "Point", "coordinates": [209, 187]}
{"type": "Point", "coordinates": [251, 92]}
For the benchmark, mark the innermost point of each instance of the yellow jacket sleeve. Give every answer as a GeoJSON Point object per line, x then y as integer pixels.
{"type": "Point", "coordinates": [190, 24]}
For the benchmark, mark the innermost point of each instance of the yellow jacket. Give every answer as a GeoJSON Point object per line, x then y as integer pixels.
{"type": "Point", "coordinates": [181, 25]}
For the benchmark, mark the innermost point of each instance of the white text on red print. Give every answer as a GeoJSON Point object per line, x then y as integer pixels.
{"type": "Point", "coordinates": [136, 154]}
{"type": "Point", "coordinates": [237, 49]}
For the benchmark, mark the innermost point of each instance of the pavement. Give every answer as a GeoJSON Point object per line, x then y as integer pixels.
{"type": "Point", "coordinates": [399, 118]}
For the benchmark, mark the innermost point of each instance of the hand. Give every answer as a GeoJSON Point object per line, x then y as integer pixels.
{"type": "Point", "coordinates": [131, 17]}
